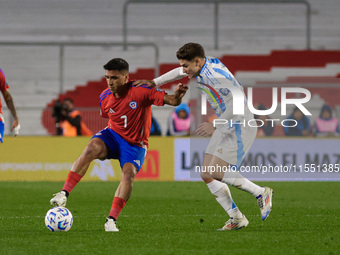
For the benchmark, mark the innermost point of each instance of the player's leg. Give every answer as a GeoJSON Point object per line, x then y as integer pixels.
{"type": "Point", "coordinates": [245, 136]}
{"type": "Point", "coordinates": [237, 180]}
{"type": "Point", "coordinates": [124, 189]}
{"type": "Point", "coordinates": [262, 194]}
{"type": "Point", "coordinates": [96, 149]}
{"type": "Point", "coordinates": [131, 158]}
{"type": "Point", "coordinates": [231, 145]}
{"type": "Point", "coordinates": [122, 195]}
{"type": "Point", "coordinates": [231, 177]}
{"type": "Point", "coordinates": [222, 194]}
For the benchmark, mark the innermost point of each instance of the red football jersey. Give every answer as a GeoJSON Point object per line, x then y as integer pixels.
{"type": "Point", "coordinates": [3, 86]}
{"type": "Point", "coordinates": [130, 115]}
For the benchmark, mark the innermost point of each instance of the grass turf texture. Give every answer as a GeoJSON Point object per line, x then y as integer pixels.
{"type": "Point", "coordinates": [171, 218]}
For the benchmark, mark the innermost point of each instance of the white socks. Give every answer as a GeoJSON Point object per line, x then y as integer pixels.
{"type": "Point", "coordinates": [237, 180]}
{"type": "Point", "coordinates": [222, 193]}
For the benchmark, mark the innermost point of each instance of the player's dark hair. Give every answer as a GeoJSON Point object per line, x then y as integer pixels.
{"type": "Point", "coordinates": [190, 51]}
{"type": "Point", "coordinates": [68, 99]}
{"type": "Point", "coordinates": [117, 64]}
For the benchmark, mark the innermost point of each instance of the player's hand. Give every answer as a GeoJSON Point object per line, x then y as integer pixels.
{"type": "Point", "coordinates": [149, 83]}
{"type": "Point", "coordinates": [180, 90]}
{"type": "Point", "coordinates": [205, 129]}
{"type": "Point", "coordinates": [15, 127]}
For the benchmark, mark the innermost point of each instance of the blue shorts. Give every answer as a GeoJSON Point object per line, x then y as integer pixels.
{"type": "Point", "coordinates": [120, 149]}
{"type": "Point", "coordinates": [2, 129]}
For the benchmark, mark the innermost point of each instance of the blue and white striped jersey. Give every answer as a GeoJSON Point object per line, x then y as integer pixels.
{"type": "Point", "coordinates": [214, 79]}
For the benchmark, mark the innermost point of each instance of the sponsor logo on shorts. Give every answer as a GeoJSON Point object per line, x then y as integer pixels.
{"type": "Point", "coordinates": [137, 162]}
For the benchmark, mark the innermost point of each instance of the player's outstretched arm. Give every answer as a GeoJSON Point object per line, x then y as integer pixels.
{"type": "Point", "coordinates": [173, 75]}
{"type": "Point", "coordinates": [176, 98]}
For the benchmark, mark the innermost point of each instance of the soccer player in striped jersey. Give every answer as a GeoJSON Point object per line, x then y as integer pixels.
{"type": "Point", "coordinates": [4, 88]}
{"type": "Point", "coordinates": [128, 109]}
{"type": "Point", "coordinates": [228, 144]}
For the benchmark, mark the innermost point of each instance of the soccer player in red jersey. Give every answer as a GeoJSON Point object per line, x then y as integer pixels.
{"type": "Point", "coordinates": [126, 136]}
{"type": "Point", "coordinates": [4, 88]}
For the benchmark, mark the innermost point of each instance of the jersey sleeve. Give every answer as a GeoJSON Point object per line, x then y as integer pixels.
{"type": "Point", "coordinates": [158, 97]}
{"type": "Point", "coordinates": [103, 114]}
{"type": "Point", "coordinates": [3, 83]}
{"type": "Point", "coordinates": [153, 96]}
{"type": "Point", "coordinates": [173, 75]}
{"type": "Point", "coordinates": [102, 103]}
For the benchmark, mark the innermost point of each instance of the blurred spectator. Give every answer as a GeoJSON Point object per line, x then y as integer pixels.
{"type": "Point", "coordinates": [180, 121]}
{"type": "Point", "coordinates": [155, 128]}
{"type": "Point", "coordinates": [303, 124]}
{"type": "Point", "coordinates": [268, 127]}
{"type": "Point", "coordinates": [68, 120]}
{"type": "Point", "coordinates": [326, 124]}
{"type": "Point", "coordinates": [56, 114]}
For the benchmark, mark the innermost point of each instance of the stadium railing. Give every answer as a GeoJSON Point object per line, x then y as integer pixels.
{"type": "Point", "coordinates": [216, 13]}
{"type": "Point", "coordinates": [62, 46]}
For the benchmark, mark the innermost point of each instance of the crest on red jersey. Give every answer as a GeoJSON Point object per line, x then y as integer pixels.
{"type": "Point", "coordinates": [133, 105]}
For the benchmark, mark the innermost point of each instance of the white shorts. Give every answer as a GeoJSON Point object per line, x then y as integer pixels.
{"type": "Point", "coordinates": [231, 144]}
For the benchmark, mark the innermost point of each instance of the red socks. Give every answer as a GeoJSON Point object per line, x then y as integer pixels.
{"type": "Point", "coordinates": [117, 206]}
{"type": "Point", "coordinates": [71, 181]}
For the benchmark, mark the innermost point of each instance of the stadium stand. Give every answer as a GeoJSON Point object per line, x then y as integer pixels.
{"type": "Point", "coordinates": [259, 66]}
{"type": "Point", "coordinates": [246, 33]}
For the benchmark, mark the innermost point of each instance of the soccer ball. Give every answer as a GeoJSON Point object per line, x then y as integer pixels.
{"type": "Point", "coordinates": [59, 219]}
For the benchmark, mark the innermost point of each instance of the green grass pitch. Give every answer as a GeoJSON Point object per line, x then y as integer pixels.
{"type": "Point", "coordinates": [171, 218]}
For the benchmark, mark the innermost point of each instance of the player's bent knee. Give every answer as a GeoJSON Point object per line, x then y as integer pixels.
{"type": "Point", "coordinates": [128, 173]}
{"type": "Point", "coordinates": [128, 176]}
{"type": "Point", "coordinates": [96, 149]}
{"type": "Point", "coordinates": [206, 177]}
